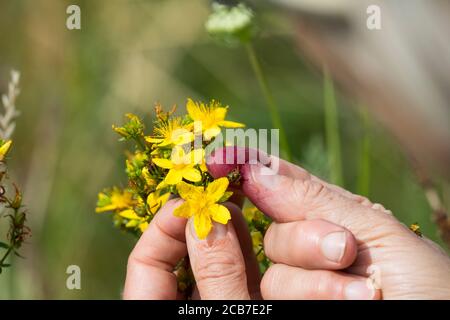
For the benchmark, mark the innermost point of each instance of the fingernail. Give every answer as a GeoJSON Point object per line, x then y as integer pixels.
{"type": "Point", "coordinates": [359, 290]}
{"type": "Point", "coordinates": [265, 176]}
{"type": "Point", "coordinates": [217, 232]}
{"type": "Point", "coordinates": [333, 246]}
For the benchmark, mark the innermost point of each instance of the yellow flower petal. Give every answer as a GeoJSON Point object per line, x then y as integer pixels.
{"type": "Point", "coordinates": [183, 211]}
{"type": "Point", "coordinates": [164, 198]}
{"type": "Point", "coordinates": [230, 124]}
{"type": "Point", "coordinates": [143, 226]}
{"type": "Point", "coordinates": [220, 213]}
{"type": "Point", "coordinates": [193, 109]}
{"type": "Point", "coordinates": [202, 225]}
{"type": "Point", "coordinates": [129, 214]}
{"type": "Point", "coordinates": [220, 113]}
{"type": "Point", "coordinates": [192, 174]}
{"type": "Point", "coordinates": [153, 140]}
{"type": "Point", "coordinates": [203, 167]}
{"type": "Point", "coordinates": [217, 188]}
{"type": "Point", "coordinates": [173, 177]}
{"type": "Point", "coordinates": [182, 136]}
{"type": "Point", "coordinates": [161, 185]}
{"type": "Point", "coordinates": [132, 223]}
{"type": "Point", "coordinates": [196, 156]}
{"type": "Point", "coordinates": [188, 191]}
{"type": "Point", "coordinates": [163, 163]}
{"type": "Point", "coordinates": [165, 142]}
{"type": "Point", "coordinates": [4, 149]}
{"type": "Point", "coordinates": [211, 133]}
{"type": "Point", "coordinates": [109, 207]}
{"type": "Point", "coordinates": [178, 156]}
{"type": "Point", "coordinates": [155, 202]}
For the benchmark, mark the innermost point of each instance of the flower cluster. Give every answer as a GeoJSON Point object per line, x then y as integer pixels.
{"type": "Point", "coordinates": [170, 161]}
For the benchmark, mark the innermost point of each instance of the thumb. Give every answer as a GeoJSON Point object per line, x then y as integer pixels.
{"type": "Point", "coordinates": [217, 263]}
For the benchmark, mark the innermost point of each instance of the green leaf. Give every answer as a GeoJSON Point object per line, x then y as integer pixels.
{"type": "Point", "coordinates": [4, 245]}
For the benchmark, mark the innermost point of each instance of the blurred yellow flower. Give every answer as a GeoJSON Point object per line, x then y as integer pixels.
{"type": "Point", "coordinates": [211, 117]}
{"type": "Point", "coordinates": [117, 200]}
{"type": "Point", "coordinates": [171, 132]}
{"type": "Point", "coordinates": [181, 165]}
{"type": "Point", "coordinates": [4, 148]}
{"type": "Point", "coordinates": [202, 204]}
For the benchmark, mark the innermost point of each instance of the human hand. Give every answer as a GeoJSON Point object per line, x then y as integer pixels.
{"type": "Point", "coordinates": [324, 241]}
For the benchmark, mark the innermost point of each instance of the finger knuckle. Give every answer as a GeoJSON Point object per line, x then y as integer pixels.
{"type": "Point", "coordinates": [307, 190]}
{"type": "Point", "coordinates": [219, 265]}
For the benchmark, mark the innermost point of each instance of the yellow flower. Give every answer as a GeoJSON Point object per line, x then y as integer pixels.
{"type": "Point", "coordinates": [181, 166]}
{"type": "Point", "coordinates": [4, 148]}
{"type": "Point", "coordinates": [156, 201]}
{"type": "Point", "coordinates": [134, 220]}
{"type": "Point", "coordinates": [118, 200]}
{"type": "Point", "coordinates": [171, 132]}
{"type": "Point", "coordinates": [202, 204]}
{"type": "Point", "coordinates": [211, 117]}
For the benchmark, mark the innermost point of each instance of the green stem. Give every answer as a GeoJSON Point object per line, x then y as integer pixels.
{"type": "Point", "coordinates": [332, 131]}
{"type": "Point", "coordinates": [6, 255]}
{"type": "Point", "coordinates": [273, 109]}
{"type": "Point", "coordinates": [363, 186]}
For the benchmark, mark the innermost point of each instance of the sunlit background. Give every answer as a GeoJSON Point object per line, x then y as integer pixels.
{"type": "Point", "coordinates": [127, 56]}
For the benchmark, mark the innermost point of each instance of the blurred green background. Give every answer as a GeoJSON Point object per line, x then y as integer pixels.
{"type": "Point", "coordinates": [129, 55]}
